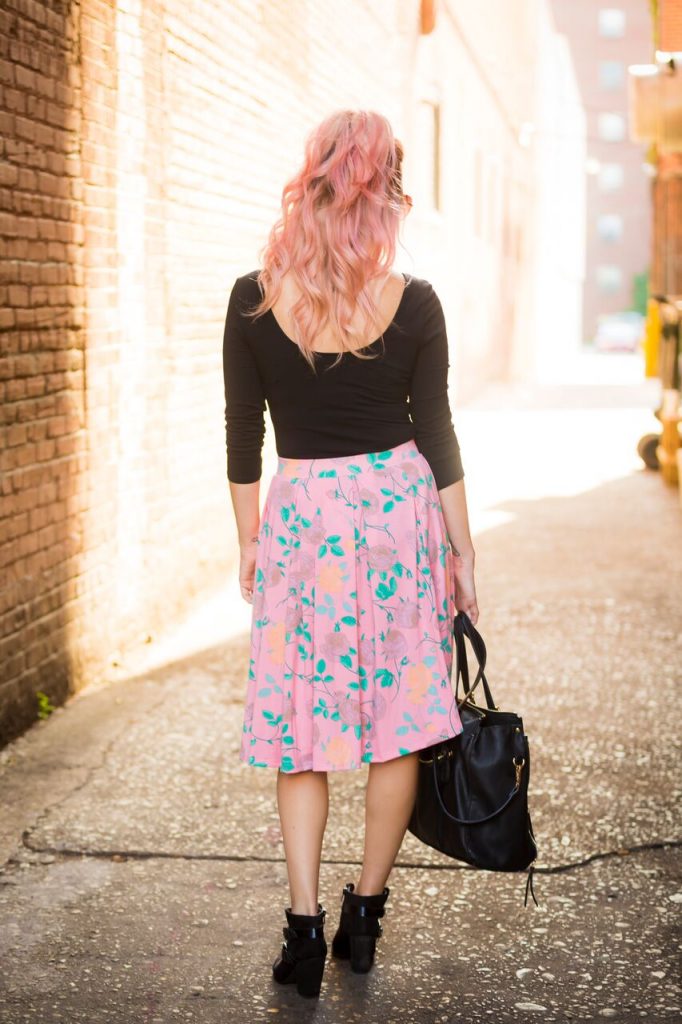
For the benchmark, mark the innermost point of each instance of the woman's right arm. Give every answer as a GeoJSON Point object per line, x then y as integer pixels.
{"type": "Point", "coordinates": [454, 505]}
{"type": "Point", "coordinates": [436, 439]}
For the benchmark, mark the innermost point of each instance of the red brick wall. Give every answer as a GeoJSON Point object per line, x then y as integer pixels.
{"type": "Point", "coordinates": [41, 353]}
{"type": "Point", "coordinates": [666, 274]}
{"type": "Point", "coordinates": [670, 25]}
{"type": "Point", "coordinates": [145, 145]}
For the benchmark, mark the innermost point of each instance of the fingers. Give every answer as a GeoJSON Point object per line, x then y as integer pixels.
{"type": "Point", "coordinates": [470, 608]}
{"type": "Point", "coordinates": [247, 576]}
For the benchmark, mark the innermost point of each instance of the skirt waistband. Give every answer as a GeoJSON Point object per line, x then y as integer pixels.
{"type": "Point", "coordinates": [365, 462]}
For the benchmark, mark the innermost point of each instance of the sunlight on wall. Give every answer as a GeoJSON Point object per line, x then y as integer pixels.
{"type": "Point", "coordinates": [130, 199]}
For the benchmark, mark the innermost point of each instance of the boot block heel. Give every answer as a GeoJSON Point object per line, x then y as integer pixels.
{"type": "Point", "coordinates": [359, 928]}
{"type": "Point", "coordinates": [309, 975]}
{"type": "Point", "coordinates": [362, 949]}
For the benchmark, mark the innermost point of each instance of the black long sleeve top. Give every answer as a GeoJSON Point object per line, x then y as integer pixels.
{"type": "Point", "coordinates": [354, 407]}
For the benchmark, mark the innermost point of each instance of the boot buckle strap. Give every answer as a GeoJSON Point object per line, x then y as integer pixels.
{"type": "Point", "coordinates": [313, 932]}
{"type": "Point", "coordinates": [363, 910]}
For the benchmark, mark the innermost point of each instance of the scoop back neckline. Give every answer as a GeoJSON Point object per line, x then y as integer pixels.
{"type": "Point", "coordinates": [341, 352]}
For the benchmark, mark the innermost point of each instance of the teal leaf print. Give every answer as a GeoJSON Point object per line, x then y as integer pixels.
{"type": "Point", "coordinates": [400, 521]}
{"type": "Point", "coordinates": [384, 677]}
{"type": "Point", "coordinates": [387, 590]}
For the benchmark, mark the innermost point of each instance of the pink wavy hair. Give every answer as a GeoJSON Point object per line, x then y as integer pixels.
{"type": "Point", "coordinates": [340, 218]}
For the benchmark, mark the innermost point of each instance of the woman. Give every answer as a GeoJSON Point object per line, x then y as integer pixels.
{"type": "Point", "coordinates": [363, 552]}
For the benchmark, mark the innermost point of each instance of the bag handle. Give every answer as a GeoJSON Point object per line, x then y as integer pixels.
{"type": "Point", "coordinates": [462, 626]}
{"type": "Point", "coordinates": [474, 821]}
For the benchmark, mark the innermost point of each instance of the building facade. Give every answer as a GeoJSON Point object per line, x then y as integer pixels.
{"type": "Point", "coordinates": [145, 149]}
{"type": "Point", "coordinates": [604, 38]}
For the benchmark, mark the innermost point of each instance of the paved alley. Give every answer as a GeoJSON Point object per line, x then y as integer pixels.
{"type": "Point", "coordinates": [143, 879]}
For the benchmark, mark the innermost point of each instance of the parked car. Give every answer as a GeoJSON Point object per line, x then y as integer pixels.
{"type": "Point", "coordinates": [619, 332]}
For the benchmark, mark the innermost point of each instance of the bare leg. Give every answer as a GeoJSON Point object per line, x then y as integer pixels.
{"type": "Point", "coordinates": [389, 799]}
{"type": "Point", "coordinates": [303, 804]}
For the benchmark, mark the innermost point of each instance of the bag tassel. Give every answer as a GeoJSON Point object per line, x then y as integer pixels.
{"type": "Point", "coordinates": [529, 884]}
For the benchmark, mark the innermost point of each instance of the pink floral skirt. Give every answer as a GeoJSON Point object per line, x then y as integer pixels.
{"type": "Point", "coordinates": [353, 608]}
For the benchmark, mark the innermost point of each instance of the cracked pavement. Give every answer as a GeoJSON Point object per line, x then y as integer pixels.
{"type": "Point", "coordinates": [143, 876]}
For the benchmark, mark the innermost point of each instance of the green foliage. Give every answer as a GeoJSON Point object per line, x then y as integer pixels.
{"type": "Point", "coordinates": [45, 708]}
{"type": "Point", "coordinates": [640, 292]}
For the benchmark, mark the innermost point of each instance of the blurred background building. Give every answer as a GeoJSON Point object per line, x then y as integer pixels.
{"type": "Point", "coordinates": [603, 41]}
{"type": "Point", "coordinates": [145, 147]}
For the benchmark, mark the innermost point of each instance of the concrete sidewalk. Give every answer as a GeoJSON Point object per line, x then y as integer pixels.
{"type": "Point", "coordinates": [144, 878]}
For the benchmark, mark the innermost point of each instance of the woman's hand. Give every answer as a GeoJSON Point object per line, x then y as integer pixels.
{"type": "Point", "coordinates": [247, 568]}
{"type": "Point", "coordinates": [465, 588]}
{"type": "Point", "coordinates": [454, 506]}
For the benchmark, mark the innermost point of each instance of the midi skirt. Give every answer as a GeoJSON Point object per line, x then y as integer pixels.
{"type": "Point", "coordinates": [351, 645]}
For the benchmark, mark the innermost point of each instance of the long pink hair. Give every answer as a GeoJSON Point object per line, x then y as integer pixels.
{"type": "Point", "coordinates": [340, 218]}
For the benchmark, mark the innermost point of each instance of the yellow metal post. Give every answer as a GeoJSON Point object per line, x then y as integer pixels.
{"type": "Point", "coordinates": [652, 338]}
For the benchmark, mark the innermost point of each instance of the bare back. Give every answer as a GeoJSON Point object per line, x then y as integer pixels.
{"type": "Point", "coordinates": [386, 292]}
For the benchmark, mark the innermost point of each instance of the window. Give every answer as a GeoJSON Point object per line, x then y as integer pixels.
{"type": "Point", "coordinates": [610, 177]}
{"type": "Point", "coordinates": [611, 127]}
{"type": "Point", "coordinates": [609, 278]}
{"type": "Point", "coordinates": [479, 200]}
{"type": "Point", "coordinates": [611, 23]}
{"type": "Point", "coordinates": [428, 146]}
{"type": "Point", "coordinates": [611, 74]}
{"type": "Point", "coordinates": [610, 227]}
{"type": "Point", "coordinates": [493, 201]}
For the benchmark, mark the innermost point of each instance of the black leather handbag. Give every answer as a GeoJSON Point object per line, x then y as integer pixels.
{"type": "Point", "coordinates": [472, 789]}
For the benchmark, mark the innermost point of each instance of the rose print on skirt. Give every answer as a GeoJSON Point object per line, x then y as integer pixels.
{"type": "Point", "coordinates": [354, 601]}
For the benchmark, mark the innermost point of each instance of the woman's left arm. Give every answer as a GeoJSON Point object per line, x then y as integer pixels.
{"type": "Point", "coordinates": [245, 502]}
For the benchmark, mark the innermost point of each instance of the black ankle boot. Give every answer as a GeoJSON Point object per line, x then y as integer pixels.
{"type": "Point", "coordinates": [359, 928]}
{"type": "Point", "coordinates": [303, 952]}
